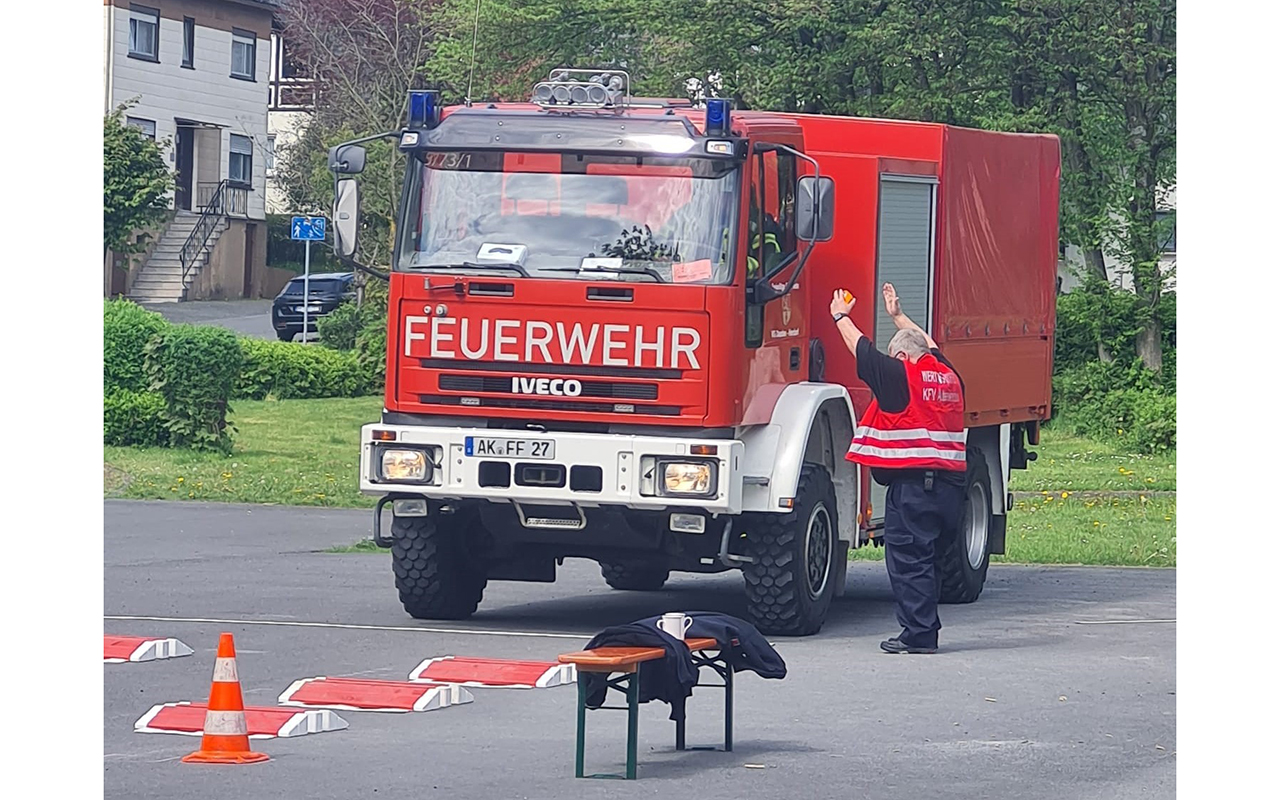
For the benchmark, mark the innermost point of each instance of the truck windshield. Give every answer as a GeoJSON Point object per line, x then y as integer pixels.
{"type": "Point", "coordinates": [566, 215]}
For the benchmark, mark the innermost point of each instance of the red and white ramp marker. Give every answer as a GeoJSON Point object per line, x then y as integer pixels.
{"type": "Point", "coordinates": [494, 673]}
{"type": "Point", "coordinates": [358, 694]}
{"type": "Point", "coordinates": [119, 649]}
{"type": "Point", "coordinates": [263, 722]}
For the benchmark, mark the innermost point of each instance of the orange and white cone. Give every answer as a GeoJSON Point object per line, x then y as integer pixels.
{"type": "Point", "coordinates": [226, 733]}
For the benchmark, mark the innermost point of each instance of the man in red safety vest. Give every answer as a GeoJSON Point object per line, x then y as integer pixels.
{"type": "Point", "coordinates": [912, 437]}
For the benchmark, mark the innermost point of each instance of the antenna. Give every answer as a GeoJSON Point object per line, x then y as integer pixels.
{"type": "Point", "coordinates": [475, 35]}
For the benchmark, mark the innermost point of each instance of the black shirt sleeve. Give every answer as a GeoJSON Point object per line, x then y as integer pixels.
{"type": "Point", "coordinates": [884, 375]}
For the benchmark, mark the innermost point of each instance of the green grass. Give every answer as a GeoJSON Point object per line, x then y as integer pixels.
{"type": "Point", "coordinates": [306, 452]}
{"type": "Point", "coordinates": [362, 546]}
{"type": "Point", "coordinates": [288, 452]}
{"type": "Point", "coordinates": [1073, 463]}
{"type": "Point", "coordinates": [1137, 531]}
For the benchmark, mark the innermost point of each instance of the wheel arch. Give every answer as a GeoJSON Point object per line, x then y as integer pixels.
{"type": "Point", "coordinates": [810, 422]}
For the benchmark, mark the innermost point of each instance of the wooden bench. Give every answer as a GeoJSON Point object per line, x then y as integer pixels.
{"type": "Point", "coordinates": [624, 663]}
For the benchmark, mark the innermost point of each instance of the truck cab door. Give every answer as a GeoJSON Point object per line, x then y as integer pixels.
{"type": "Point", "coordinates": [770, 244]}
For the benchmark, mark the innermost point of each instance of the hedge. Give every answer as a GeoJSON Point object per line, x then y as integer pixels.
{"type": "Point", "coordinates": [363, 332]}
{"type": "Point", "coordinates": [126, 329]}
{"type": "Point", "coordinates": [171, 385]}
{"type": "Point", "coordinates": [194, 368]}
{"type": "Point", "coordinates": [289, 371]}
{"type": "Point", "coordinates": [134, 419]}
{"type": "Point", "coordinates": [1118, 402]}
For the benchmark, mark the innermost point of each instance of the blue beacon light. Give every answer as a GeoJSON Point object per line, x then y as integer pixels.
{"type": "Point", "coordinates": [718, 117]}
{"type": "Point", "coordinates": [422, 109]}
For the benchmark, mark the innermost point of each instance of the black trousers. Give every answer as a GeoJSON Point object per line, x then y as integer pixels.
{"type": "Point", "coordinates": [917, 521]}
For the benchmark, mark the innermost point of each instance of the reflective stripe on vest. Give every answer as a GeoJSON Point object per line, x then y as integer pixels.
{"type": "Point", "coordinates": [928, 434]}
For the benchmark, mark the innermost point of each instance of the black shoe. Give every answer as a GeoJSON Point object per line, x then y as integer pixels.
{"type": "Point", "coordinates": [895, 646]}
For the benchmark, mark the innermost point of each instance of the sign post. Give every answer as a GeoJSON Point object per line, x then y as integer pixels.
{"type": "Point", "coordinates": [306, 229]}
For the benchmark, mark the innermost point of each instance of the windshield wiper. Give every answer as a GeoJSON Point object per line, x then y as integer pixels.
{"type": "Point", "coordinates": [618, 270]}
{"type": "Point", "coordinates": [521, 271]}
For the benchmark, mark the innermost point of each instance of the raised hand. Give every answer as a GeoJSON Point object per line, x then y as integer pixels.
{"type": "Point", "coordinates": [842, 302]}
{"type": "Point", "coordinates": [891, 303]}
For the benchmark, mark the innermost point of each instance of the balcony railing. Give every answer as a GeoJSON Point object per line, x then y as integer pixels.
{"type": "Point", "coordinates": [225, 198]}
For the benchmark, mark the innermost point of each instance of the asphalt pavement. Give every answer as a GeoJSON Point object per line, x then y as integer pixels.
{"type": "Point", "coordinates": [247, 317]}
{"type": "Point", "coordinates": [1058, 682]}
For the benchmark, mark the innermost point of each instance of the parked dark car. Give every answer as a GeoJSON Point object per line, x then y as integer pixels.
{"type": "Point", "coordinates": [327, 291]}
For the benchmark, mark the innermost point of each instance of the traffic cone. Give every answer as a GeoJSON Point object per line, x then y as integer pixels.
{"type": "Point", "coordinates": [226, 733]}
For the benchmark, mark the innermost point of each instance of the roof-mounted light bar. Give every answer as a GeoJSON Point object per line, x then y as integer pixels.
{"type": "Point", "coordinates": [583, 88]}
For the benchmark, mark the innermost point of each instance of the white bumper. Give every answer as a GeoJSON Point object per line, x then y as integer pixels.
{"type": "Point", "coordinates": [622, 461]}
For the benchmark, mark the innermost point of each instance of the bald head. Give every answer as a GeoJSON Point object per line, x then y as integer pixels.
{"type": "Point", "coordinates": [909, 342]}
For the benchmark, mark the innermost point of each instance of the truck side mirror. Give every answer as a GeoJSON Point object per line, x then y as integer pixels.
{"type": "Point", "coordinates": [346, 217]}
{"type": "Point", "coordinates": [815, 209]}
{"type": "Point", "coordinates": [346, 159]}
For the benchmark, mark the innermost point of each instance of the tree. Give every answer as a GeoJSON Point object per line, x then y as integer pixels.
{"type": "Point", "coordinates": [1102, 77]}
{"type": "Point", "coordinates": [135, 184]}
{"type": "Point", "coordinates": [1099, 76]}
{"type": "Point", "coordinates": [363, 56]}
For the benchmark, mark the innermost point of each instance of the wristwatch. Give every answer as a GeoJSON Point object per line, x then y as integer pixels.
{"type": "Point", "coordinates": [837, 317]}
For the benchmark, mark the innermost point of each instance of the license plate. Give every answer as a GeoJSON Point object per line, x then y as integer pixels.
{"type": "Point", "coordinates": [309, 310]}
{"type": "Point", "coordinates": [497, 447]}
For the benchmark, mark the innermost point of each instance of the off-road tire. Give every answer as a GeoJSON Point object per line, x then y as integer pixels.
{"type": "Point", "coordinates": [436, 576]}
{"type": "Point", "coordinates": [962, 582]}
{"type": "Point", "coordinates": [780, 598]}
{"type": "Point", "coordinates": [634, 576]}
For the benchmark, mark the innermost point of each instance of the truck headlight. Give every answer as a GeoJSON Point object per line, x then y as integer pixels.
{"type": "Point", "coordinates": [690, 478]}
{"type": "Point", "coordinates": [405, 465]}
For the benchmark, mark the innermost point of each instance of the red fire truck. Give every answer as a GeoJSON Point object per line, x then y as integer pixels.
{"type": "Point", "coordinates": [608, 337]}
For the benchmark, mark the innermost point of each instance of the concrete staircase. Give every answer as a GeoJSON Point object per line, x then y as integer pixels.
{"type": "Point", "coordinates": [160, 279]}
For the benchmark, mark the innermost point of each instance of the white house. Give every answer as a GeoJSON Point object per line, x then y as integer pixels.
{"type": "Point", "coordinates": [288, 112]}
{"type": "Point", "coordinates": [196, 74]}
{"type": "Point", "coordinates": [1072, 260]}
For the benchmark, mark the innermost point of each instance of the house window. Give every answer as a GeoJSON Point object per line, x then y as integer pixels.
{"type": "Point", "coordinates": [147, 126]}
{"type": "Point", "coordinates": [1167, 230]}
{"type": "Point", "coordinates": [144, 33]}
{"type": "Point", "coordinates": [244, 47]}
{"type": "Point", "coordinates": [271, 154]}
{"type": "Point", "coordinates": [188, 43]}
{"type": "Point", "coordinates": [240, 168]}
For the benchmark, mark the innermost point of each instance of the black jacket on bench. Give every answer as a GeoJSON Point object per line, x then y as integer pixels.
{"type": "Point", "coordinates": [671, 679]}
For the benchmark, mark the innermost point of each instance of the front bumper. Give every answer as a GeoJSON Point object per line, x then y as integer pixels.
{"type": "Point", "coordinates": [622, 468]}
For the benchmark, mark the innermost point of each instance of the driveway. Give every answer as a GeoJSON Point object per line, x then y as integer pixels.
{"type": "Point", "coordinates": [246, 317]}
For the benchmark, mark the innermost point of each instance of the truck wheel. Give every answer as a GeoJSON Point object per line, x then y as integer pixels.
{"type": "Point", "coordinates": [634, 576]}
{"type": "Point", "coordinates": [436, 577]}
{"type": "Point", "coordinates": [964, 558]}
{"type": "Point", "coordinates": [793, 578]}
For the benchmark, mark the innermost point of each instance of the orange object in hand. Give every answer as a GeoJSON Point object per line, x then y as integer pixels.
{"type": "Point", "coordinates": [848, 296]}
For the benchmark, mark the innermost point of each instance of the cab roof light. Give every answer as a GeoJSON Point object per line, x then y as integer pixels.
{"type": "Point", "coordinates": [424, 108]}
{"type": "Point", "coordinates": [718, 116]}
{"type": "Point", "coordinates": [702, 449]}
{"type": "Point", "coordinates": [384, 436]}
